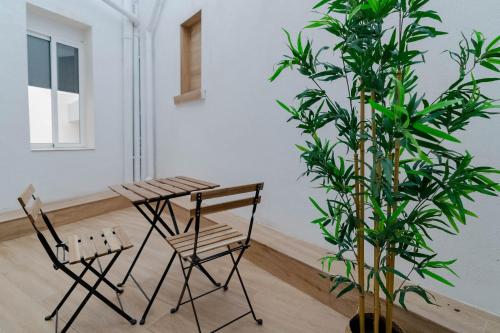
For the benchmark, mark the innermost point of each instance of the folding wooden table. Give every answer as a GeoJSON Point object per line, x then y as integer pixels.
{"type": "Point", "coordinates": [154, 196]}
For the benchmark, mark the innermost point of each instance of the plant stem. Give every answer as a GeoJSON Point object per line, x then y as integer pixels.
{"type": "Point", "coordinates": [376, 255]}
{"type": "Point", "coordinates": [361, 226]}
{"type": "Point", "coordinates": [391, 258]}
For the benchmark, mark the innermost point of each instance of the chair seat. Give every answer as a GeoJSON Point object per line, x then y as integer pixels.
{"type": "Point", "coordinates": [97, 244]}
{"type": "Point", "coordinates": [210, 238]}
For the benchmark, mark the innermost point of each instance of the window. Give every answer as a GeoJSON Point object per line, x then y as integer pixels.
{"type": "Point", "coordinates": [190, 60]}
{"type": "Point", "coordinates": [54, 88]}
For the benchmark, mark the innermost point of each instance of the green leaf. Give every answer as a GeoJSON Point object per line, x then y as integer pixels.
{"type": "Point", "coordinates": [437, 106]}
{"type": "Point", "coordinates": [284, 106]}
{"type": "Point", "coordinates": [435, 132]}
{"type": "Point", "coordinates": [320, 4]}
{"type": "Point", "coordinates": [278, 72]}
{"type": "Point", "coordinates": [315, 204]}
{"type": "Point", "coordinates": [436, 277]}
{"type": "Point", "coordinates": [397, 212]}
{"type": "Point", "coordinates": [493, 43]}
{"type": "Point", "coordinates": [489, 65]}
{"type": "Point", "coordinates": [347, 289]}
{"type": "Point", "coordinates": [302, 148]}
{"type": "Point", "coordinates": [388, 113]}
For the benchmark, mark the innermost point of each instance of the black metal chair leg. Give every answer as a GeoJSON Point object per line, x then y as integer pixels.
{"type": "Point", "coordinates": [106, 281]}
{"type": "Point", "coordinates": [234, 266]}
{"type": "Point", "coordinates": [207, 274]}
{"type": "Point", "coordinates": [90, 293]}
{"type": "Point", "coordinates": [186, 286]}
{"type": "Point", "coordinates": [258, 320]}
{"type": "Point", "coordinates": [97, 294]}
{"type": "Point", "coordinates": [192, 303]}
{"type": "Point", "coordinates": [70, 290]}
{"type": "Point", "coordinates": [145, 314]}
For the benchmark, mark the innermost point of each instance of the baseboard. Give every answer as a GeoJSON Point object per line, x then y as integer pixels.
{"type": "Point", "coordinates": [15, 224]}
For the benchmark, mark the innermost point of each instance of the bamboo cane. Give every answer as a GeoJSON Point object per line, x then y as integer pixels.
{"type": "Point", "coordinates": [391, 258]}
{"type": "Point", "coordinates": [360, 245]}
{"type": "Point", "coordinates": [376, 256]}
{"type": "Point", "coordinates": [361, 227]}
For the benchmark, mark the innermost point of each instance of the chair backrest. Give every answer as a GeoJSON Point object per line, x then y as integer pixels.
{"type": "Point", "coordinates": [33, 208]}
{"type": "Point", "coordinates": [202, 196]}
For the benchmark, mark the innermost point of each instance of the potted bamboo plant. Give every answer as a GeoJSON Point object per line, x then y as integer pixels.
{"type": "Point", "coordinates": [393, 173]}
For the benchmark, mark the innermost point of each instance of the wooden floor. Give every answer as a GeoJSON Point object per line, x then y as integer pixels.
{"type": "Point", "coordinates": [30, 288]}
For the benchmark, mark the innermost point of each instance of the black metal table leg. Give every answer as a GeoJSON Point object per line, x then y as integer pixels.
{"type": "Point", "coordinates": [157, 212]}
{"type": "Point", "coordinates": [152, 299]}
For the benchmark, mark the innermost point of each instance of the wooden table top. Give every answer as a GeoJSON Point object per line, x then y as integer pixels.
{"type": "Point", "coordinates": [157, 189]}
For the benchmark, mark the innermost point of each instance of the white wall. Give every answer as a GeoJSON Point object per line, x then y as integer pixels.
{"type": "Point", "coordinates": [237, 134]}
{"type": "Point", "coordinates": [61, 174]}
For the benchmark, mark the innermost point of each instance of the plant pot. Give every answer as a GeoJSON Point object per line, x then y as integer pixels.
{"type": "Point", "coordinates": [353, 326]}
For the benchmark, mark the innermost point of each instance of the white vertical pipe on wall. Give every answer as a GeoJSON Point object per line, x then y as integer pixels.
{"type": "Point", "coordinates": [127, 101]}
{"type": "Point", "coordinates": [148, 88]}
{"type": "Point", "coordinates": [153, 25]}
{"type": "Point", "coordinates": [139, 140]}
{"type": "Point", "coordinates": [138, 128]}
{"type": "Point", "coordinates": [147, 111]}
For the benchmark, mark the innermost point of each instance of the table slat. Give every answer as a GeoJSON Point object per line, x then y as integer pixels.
{"type": "Point", "coordinates": [190, 183]}
{"type": "Point", "coordinates": [171, 182]}
{"type": "Point", "coordinates": [140, 191]}
{"type": "Point", "coordinates": [126, 193]}
{"type": "Point", "coordinates": [167, 187]}
{"type": "Point", "coordinates": [198, 181]}
{"type": "Point", "coordinates": [153, 188]}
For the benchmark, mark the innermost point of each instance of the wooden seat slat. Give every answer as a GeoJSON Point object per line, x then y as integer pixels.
{"type": "Point", "coordinates": [198, 181]}
{"type": "Point", "coordinates": [73, 249]}
{"type": "Point", "coordinates": [212, 239]}
{"type": "Point", "coordinates": [87, 248]}
{"type": "Point", "coordinates": [167, 187]}
{"type": "Point", "coordinates": [140, 191]}
{"type": "Point", "coordinates": [171, 182]}
{"type": "Point", "coordinates": [190, 234]}
{"type": "Point", "coordinates": [111, 239]}
{"type": "Point", "coordinates": [190, 183]}
{"type": "Point", "coordinates": [90, 246]}
{"type": "Point", "coordinates": [98, 241]}
{"type": "Point", "coordinates": [27, 195]}
{"type": "Point", "coordinates": [153, 189]}
{"type": "Point", "coordinates": [202, 236]}
{"type": "Point", "coordinates": [214, 246]}
{"type": "Point", "coordinates": [126, 193]}
{"type": "Point", "coordinates": [123, 238]}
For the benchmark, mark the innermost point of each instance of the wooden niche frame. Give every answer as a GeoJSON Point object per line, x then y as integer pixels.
{"type": "Point", "coordinates": [190, 60]}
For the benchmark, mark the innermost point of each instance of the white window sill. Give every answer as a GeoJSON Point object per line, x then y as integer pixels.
{"type": "Point", "coordinates": [62, 149]}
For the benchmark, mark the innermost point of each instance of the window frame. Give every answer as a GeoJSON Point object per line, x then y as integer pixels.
{"type": "Point", "coordinates": [54, 39]}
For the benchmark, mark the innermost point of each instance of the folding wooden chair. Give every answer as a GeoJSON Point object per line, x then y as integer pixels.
{"type": "Point", "coordinates": [215, 241]}
{"type": "Point", "coordinates": [78, 249]}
